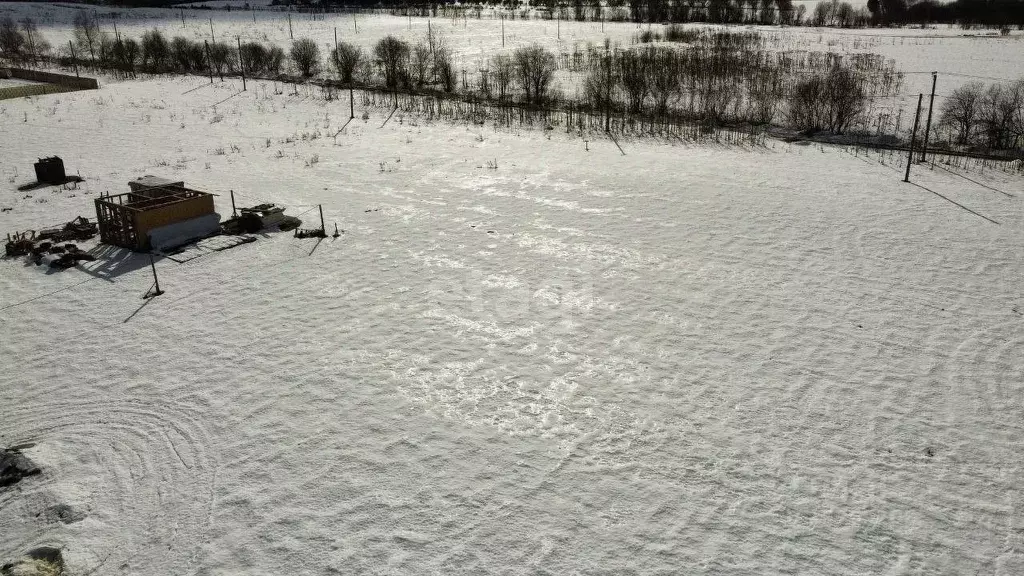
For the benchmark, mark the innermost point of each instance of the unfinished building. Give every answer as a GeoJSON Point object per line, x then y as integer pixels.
{"type": "Point", "coordinates": [156, 214]}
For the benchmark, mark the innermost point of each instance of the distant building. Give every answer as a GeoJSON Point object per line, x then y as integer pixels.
{"type": "Point", "coordinates": [157, 213]}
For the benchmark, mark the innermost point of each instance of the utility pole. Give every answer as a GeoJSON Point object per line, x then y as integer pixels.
{"type": "Point", "coordinates": [241, 62]}
{"type": "Point", "coordinates": [608, 95]}
{"type": "Point", "coordinates": [913, 138]}
{"type": "Point", "coordinates": [928, 124]}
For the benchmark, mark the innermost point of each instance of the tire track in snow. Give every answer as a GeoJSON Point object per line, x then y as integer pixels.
{"type": "Point", "coordinates": [155, 507]}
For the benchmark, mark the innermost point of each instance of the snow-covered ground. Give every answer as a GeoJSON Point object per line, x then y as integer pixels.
{"type": "Point", "coordinates": [521, 356]}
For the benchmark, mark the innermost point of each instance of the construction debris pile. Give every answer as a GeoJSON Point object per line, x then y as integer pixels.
{"type": "Point", "coordinates": [260, 217]}
{"type": "Point", "coordinates": [51, 245]}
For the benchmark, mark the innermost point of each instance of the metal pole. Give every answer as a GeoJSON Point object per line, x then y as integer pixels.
{"type": "Point", "coordinates": [156, 280]}
{"type": "Point", "coordinates": [913, 138]}
{"type": "Point", "coordinates": [209, 60]}
{"type": "Point", "coordinates": [241, 62]}
{"type": "Point", "coordinates": [928, 124]}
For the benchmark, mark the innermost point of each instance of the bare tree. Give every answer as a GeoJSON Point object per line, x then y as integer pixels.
{"type": "Point", "coordinates": [36, 45]}
{"type": "Point", "coordinates": [444, 68]}
{"type": "Point", "coordinates": [535, 67]}
{"type": "Point", "coordinates": [392, 56]}
{"type": "Point", "coordinates": [961, 111]}
{"type": "Point", "coordinates": [502, 72]}
{"type": "Point", "coordinates": [12, 42]}
{"type": "Point", "coordinates": [1000, 116]}
{"type": "Point", "coordinates": [421, 63]}
{"type": "Point", "coordinates": [806, 108]}
{"type": "Point", "coordinates": [87, 34]}
{"type": "Point", "coordinates": [306, 56]}
{"type": "Point", "coordinates": [634, 75]}
{"type": "Point", "coordinates": [599, 87]}
{"type": "Point", "coordinates": [844, 98]}
{"type": "Point", "coordinates": [220, 58]}
{"type": "Point", "coordinates": [187, 56]}
{"type": "Point", "coordinates": [346, 58]}
{"type": "Point", "coordinates": [275, 59]}
{"type": "Point", "coordinates": [155, 51]}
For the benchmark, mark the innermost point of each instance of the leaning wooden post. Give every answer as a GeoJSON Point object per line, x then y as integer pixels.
{"type": "Point", "coordinates": [234, 213]}
{"type": "Point", "coordinates": [351, 103]}
{"type": "Point", "coordinates": [290, 37]}
{"type": "Point", "coordinates": [913, 138]}
{"type": "Point", "coordinates": [323, 228]}
{"type": "Point", "coordinates": [213, 38]}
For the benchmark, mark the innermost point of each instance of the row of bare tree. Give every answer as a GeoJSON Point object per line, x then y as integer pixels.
{"type": "Point", "coordinates": [985, 117]}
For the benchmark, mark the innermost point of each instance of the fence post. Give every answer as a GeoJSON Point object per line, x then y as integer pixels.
{"type": "Point", "coordinates": [241, 62]}
{"type": "Point", "coordinates": [74, 58]}
{"type": "Point", "coordinates": [913, 138]}
{"type": "Point", "coordinates": [209, 60]}
{"type": "Point", "coordinates": [928, 124]}
{"type": "Point", "coordinates": [156, 281]}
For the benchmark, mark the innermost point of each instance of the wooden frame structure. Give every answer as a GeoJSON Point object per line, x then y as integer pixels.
{"type": "Point", "coordinates": [127, 219]}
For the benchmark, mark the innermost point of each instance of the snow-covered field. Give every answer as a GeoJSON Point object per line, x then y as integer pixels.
{"type": "Point", "coordinates": [521, 356]}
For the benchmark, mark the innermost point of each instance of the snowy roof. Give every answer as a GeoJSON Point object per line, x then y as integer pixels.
{"type": "Point", "coordinates": [150, 180]}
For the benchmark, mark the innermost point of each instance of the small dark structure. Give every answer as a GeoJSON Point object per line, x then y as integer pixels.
{"type": "Point", "coordinates": [157, 213]}
{"type": "Point", "coordinates": [51, 171]}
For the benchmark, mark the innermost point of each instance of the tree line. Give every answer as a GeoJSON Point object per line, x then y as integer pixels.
{"type": "Point", "coordinates": [710, 77]}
